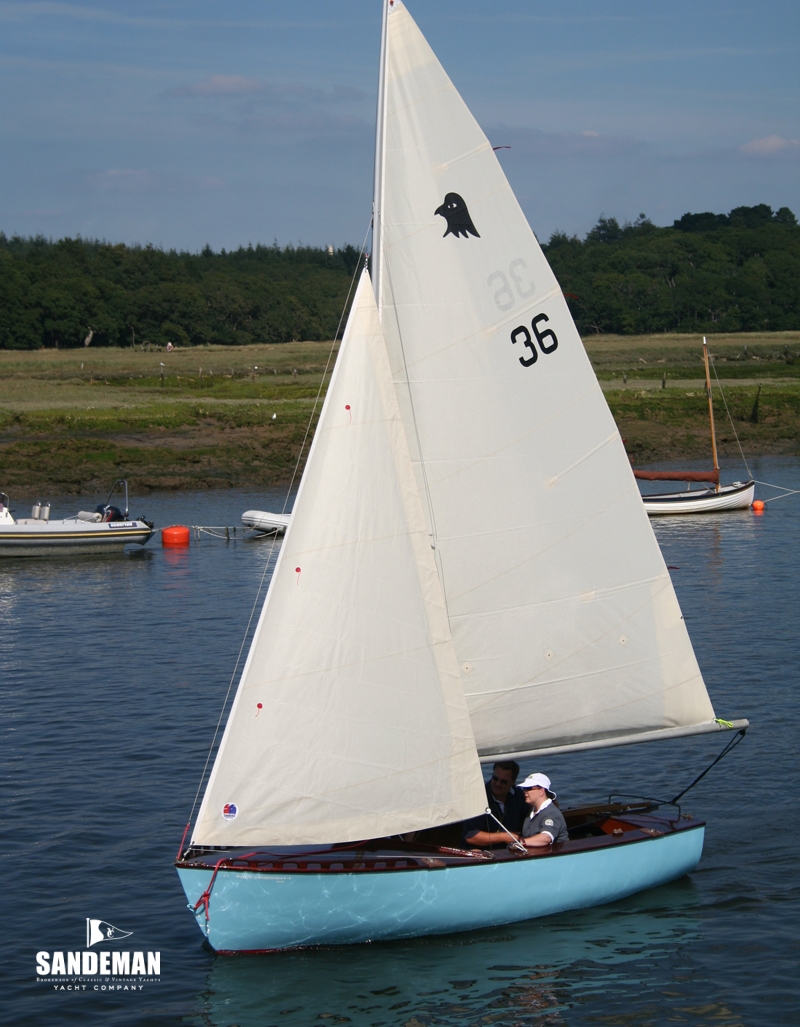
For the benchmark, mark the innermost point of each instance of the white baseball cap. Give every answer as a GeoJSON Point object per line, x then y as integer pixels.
{"type": "Point", "coordinates": [538, 781]}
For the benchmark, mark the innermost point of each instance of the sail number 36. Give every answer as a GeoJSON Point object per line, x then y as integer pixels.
{"type": "Point", "coordinates": [545, 337]}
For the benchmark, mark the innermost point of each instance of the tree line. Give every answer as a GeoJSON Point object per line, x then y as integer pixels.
{"type": "Point", "coordinates": [706, 273]}
{"type": "Point", "coordinates": [736, 272]}
{"type": "Point", "coordinates": [61, 294]}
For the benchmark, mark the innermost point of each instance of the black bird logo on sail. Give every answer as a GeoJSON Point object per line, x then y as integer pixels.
{"type": "Point", "coordinates": [455, 212]}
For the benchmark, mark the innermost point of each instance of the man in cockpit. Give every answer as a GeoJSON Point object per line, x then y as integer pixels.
{"type": "Point", "coordinates": [506, 803]}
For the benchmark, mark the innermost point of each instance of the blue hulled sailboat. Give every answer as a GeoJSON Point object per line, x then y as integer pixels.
{"type": "Point", "coordinates": [469, 575]}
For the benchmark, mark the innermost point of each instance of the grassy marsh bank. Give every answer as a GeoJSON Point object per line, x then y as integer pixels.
{"type": "Point", "coordinates": [72, 420]}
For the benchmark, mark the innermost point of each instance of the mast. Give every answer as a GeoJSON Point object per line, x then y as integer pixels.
{"type": "Point", "coordinates": [711, 412]}
{"type": "Point", "coordinates": [380, 136]}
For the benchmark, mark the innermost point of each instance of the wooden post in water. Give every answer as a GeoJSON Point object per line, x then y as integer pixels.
{"type": "Point", "coordinates": [711, 412]}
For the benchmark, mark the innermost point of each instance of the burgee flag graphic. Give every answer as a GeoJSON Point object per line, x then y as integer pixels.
{"type": "Point", "coordinates": [101, 930]}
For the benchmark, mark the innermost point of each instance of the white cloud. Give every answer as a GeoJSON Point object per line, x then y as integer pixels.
{"type": "Point", "coordinates": [26, 11]}
{"type": "Point", "coordinates": [270, 92]}
{"type": "Point", "coordinates": [282, 108]}
{"type": "Point", "coordinates": [770, 144]}
{"type": "Point", "coordinates": [122, 179]}
{"type": "Point", "coordinates": [132, 180]}
{"type": "Point", "coordinates": [41, 212]}
{"type": "Point", "coordinates": [221, 85]}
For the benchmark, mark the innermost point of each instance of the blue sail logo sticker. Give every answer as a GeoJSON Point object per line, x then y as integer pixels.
{"type": "Point", "coordinates": [229, 811]}
{"type": "Point", "coordinates": [101, 930]}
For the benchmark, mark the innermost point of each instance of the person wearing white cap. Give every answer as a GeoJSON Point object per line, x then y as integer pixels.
{"type": "Point", "coordinates": [546, 824]}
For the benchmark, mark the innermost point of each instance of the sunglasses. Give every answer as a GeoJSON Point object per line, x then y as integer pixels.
{"type": "Point", "coordinates": [500, 780]}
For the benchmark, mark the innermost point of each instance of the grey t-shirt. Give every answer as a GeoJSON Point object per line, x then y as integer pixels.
{"type": "Point", "coordinates": [549, 820]}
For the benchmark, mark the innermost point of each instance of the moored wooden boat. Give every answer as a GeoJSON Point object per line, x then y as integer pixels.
{"type": "Point", "coordinates": [738, 496]}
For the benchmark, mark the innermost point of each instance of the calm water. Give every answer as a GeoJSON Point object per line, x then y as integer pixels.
{"type": "Point", "coordinates": [112, 674]}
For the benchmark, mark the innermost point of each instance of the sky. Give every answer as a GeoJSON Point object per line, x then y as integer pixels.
{"type": "Point", "coordinates": [182, 123]}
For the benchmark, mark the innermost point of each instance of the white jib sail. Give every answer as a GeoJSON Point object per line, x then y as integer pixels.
{"type": "Point", "coordinates": [350, 720]}
{"type": "Point", "coordinates": [564, 619]}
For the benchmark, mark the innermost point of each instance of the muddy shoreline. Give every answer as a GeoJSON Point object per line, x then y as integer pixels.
{"type": "Point", "coordinates": [73, 421]}
{"type": "Point", "coordinates": [214, 458]}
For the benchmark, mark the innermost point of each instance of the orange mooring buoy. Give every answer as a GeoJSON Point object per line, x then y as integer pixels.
{"type": "Point", "coordinates": [759, 505]}
{"type": "Point", "coordinates": [175, 535]}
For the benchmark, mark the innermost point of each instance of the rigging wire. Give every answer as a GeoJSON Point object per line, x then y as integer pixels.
{"type": "Point", "coordinates": [786, 492]}
{"type": "Point", "coordinates": [733, 426]}
{"type": "Point", "coordinates": [731, 745]}
{"type": "Point", "coordinates": [268, 563]}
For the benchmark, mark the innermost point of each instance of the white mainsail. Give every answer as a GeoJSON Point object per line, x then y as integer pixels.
{"type": "Point", "coordinates": [350, 720]}
{"type": "Point", "coordinates": [564, 618]}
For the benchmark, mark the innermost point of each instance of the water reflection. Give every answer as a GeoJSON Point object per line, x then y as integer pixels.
{"type": "Point", "coordinates": [693, 529]}
{"type": "Point", "coordinates": [111, 683]}
{"type": "Point", "coordinates": [542, 971]}
{"type": "Point", "coordinates": [176, 556]}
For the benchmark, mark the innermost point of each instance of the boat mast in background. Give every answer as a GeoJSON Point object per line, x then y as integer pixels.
{"type": "Point", "coordinates": [711, 412]}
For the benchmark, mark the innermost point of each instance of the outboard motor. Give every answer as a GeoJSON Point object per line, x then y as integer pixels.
{"type": "Point", "coordinates": [110, 513]}
{"type": "Point", "coordinates": [44, 512]}
{"type": "Point", "coordinates": [36, 509]}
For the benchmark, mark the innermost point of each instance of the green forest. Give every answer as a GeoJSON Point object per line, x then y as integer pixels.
{"type": "Point", "coordinates": [736, 272]}
{"type": "Point", "coordinates": [53, 294]}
